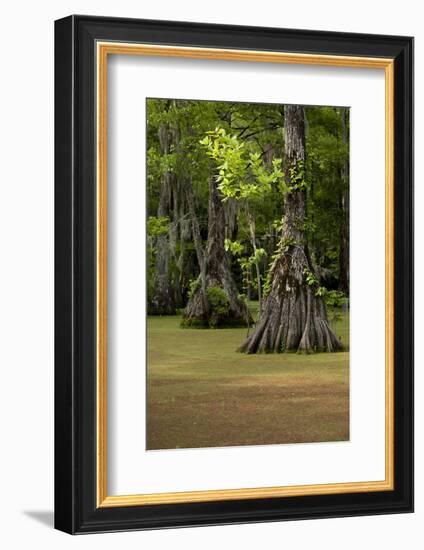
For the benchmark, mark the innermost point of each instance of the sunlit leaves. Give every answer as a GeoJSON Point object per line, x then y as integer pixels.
{"type": "Point", "coordinates": [157, 225]}
{"type": "Point", "coordinates": [241, 172]}
{"type": "Point", "coordinates": [234, 247]}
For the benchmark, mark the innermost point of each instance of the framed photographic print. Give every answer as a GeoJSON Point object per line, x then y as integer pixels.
{"type": "Point", "coordinates": [233, 268]}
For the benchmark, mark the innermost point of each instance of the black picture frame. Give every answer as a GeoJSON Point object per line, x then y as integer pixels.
{"type": "Point", "coordinates": [76, 510]}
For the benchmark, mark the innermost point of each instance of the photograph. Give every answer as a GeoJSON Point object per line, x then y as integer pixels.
{"type": "Point", "coordinates": [233, 255]}
{"type": "Point", "coordinates": [212, 275]}
{"type": "Point", "coordinates": [247, 262]}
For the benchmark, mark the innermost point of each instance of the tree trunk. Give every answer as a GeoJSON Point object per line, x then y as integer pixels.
{"type": "Point", "coordinates": [293, 317]}
{"type": "Point", "coordinates": [252, 231]}
{"type": "Point", "coordinates": [214, 300]}
{"type": "Point", "coordinates": [344, 226]}
{"type": "Point", "coordinates": [163, 298]}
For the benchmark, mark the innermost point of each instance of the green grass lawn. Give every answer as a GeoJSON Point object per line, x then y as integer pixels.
{"type": "Point", "coordinates": [202, 393]}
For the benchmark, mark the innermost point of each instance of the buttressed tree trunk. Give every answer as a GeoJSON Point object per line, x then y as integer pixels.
{"type": "Point", "coordinates": [293, 317]}
{"type": "Point", "coordinates": [214, 301]}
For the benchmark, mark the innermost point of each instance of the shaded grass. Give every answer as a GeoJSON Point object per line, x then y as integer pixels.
{"type": "Point", "coordinates": [201, 393]}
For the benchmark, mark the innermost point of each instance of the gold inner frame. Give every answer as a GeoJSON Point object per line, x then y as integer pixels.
{"type": "Point", "coordinates": [104, 49]}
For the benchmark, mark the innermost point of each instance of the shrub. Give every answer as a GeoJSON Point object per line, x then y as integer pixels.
{"type": "Point", "coordinates": [335, 298]}
{"type": "Point", "coordinates": [218, 303]}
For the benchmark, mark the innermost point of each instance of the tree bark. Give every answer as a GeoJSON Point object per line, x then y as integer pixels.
{"type": "Point", "coordinates": [252, 231]}
{"type": "Point", "coordinates": [163, 298]}
{"type": "Point", "coordinates": [293, 316]}
{"type": "Point", "coordinates": [215, 273]}
{"type": "Point", "coordinates": [344, 266]}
